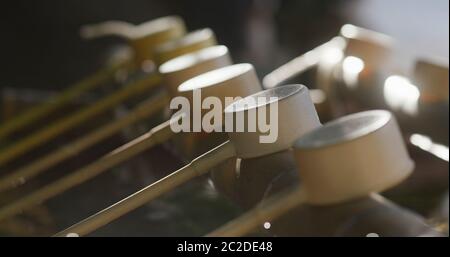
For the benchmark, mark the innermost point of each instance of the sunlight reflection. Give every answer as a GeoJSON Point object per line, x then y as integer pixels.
{"type": "Point", "coordinates": [351, 67]}
{"type": "Point", "coordinates": [332, 56]}
{"type": "Point", "coordinates": [425, 143]}
{"type": "Point", "coordinates": [400, 94]}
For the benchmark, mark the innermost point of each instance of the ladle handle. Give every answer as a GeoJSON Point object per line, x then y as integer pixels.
{"type": "Point", "coordinates": [73, 91]}
{"type": "Point", "coordinates": [143, 110]}
{"type": "Point", "coordinates": [297, 66]}
{"type": "Point", "coordinates": [197, 167]}
{"type": "Point", "coordinates": [106, 29]}
{"type": "Point", "coordinates": [61, 126]}
{"type": "Point", "coordinates": [155, 136]}
{"type": "Point", "coordinates": [268, 210]}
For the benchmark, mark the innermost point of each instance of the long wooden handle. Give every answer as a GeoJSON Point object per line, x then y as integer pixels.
{"type": "Point", "coordinates": [266, 211]}
{"type": "Point", "coordinates": [155, 136]}
{"type": "Point", "coordinates": [296, 66]}
{"type": "Point", "coordinates": [35, 113]}
{"type": "Point", "coordinates": [291, 69]}
{"type": "Point", "coordinates": [142, 111]}
{"type": "Point", "coordinates": [106, 28]}
{"type": "Point", "coordinates": [197, 167]}
{"type": "Point", "coordinates": [59, 127]}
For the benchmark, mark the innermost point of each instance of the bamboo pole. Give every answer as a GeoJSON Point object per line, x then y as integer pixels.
{"type": "Point", "coordinates": [300, 64]}
{"type": "Point", "coordinates": [72, 92]}
{"type": "Point", "coordinates": [142, 38]}
{"type": "Point", "coordinates": [197, 167]}
{"type": "Point", "coordinates": [218, 58]}
{"type": "Point", "coordinates": [293, 68]}
{"type": "Point", "coordinates": [107, 28]}
{"type": "Point", "coordinates": [268, 210]}
{"type": "Point", "coordinates": [155, 136]}
{"type": "Point", "coordinates": [59, 127]}
{"type": "Point", "coordinates": [143, 110]}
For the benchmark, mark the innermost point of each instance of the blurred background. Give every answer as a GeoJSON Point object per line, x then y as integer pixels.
{"type": "Point", "coordinates": [42, 49]}
{"type": "Point", "coordinates": [42, 52]}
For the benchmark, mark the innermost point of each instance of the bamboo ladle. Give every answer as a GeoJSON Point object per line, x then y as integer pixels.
{"type": "Point", "coordinates": [230, 81]}
{"type": "Point", "coordinates": [372, 48]}
{"type": "Point", "coordinates": [193, 41]}
{"type": "Point", "coordinates": [336, 167]}
{"type": "Point", "coordinates": [155, 32]}
{"type": "Point", "coordinates": [297, 116]}
{"type": "Point", "coordinates": [173, 72]}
